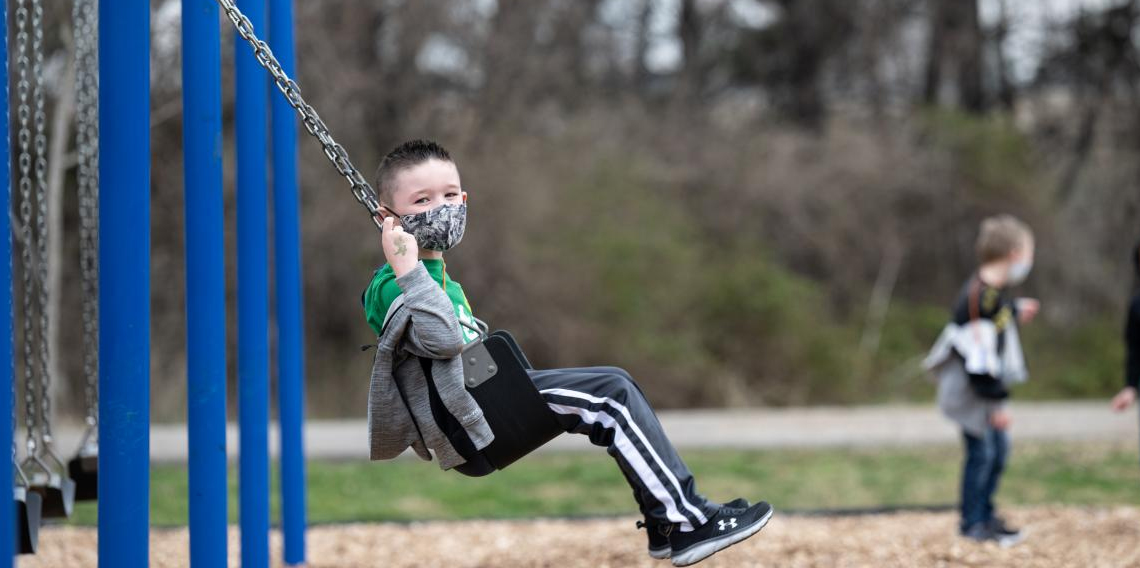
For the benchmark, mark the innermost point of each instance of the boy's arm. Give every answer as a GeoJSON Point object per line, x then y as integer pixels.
{"type": "Point", "coordinates": [434, 329]}
{"type": "Point", "coordinates": [994, 393]}
{"type": "Point", "coordinates": [1132, 338]}
{"type": "Point", "coordinates": [981, 302]}
{"type": "Point", "coordinates": [1025, 309]}
{"type": "Point", "coordinates": [988, 387]}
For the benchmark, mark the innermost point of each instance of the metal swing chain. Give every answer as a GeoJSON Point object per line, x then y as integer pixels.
{"type": "Point", "coordinates": [39, 120]}
{"type": "Point", "coordinates": [25, 212]}
{"type": "Point", "coordinates": [85, 16]}
{"type": "Point", "coordinates": [309, 117]}
{"type": "Point", "coordinates": [23, 113]}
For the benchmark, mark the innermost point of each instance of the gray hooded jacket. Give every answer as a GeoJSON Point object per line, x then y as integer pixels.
{"type": "Point", "coordinates": [421, 322]}
{"type": "Point", "coordinates": [973, 348]}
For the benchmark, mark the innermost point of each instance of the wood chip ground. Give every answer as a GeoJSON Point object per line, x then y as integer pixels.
{"type": "Point", "coordinates": [1055, 536]}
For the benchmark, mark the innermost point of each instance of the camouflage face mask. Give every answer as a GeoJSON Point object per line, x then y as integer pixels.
{"type": "Point", "coordinates": [438, 229]}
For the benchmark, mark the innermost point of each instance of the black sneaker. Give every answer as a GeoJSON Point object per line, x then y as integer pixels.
{"type": "Point", "coordinates": [659, 547]}
{"type": "Point", "coordinates": [979, 532]}
{"type": "Point", "coordinates": [727, 527]}
{"type": "Point", "coordinates": [998, 526]}
{"type": "Point", "coordinates": [1005, 534]}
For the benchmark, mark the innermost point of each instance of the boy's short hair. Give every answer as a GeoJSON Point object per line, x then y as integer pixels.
{"type": "Point", "coordinates": [999, 236]}
{"type": "Point", "coordinates": [406, 155]}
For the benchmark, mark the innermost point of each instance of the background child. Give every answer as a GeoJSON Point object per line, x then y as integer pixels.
{"type": "Point", "coordinates": [1127, 395]}
{"type": "Point", "coordinates": [976, 359]}
{"type": "Point", "coordinates": [417, 399]}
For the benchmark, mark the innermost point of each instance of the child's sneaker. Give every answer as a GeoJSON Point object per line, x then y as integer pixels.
{"type": "Point", "coordinates": [659, 547]}
{"type": "Point", "coordinates": [979, 532]}
{"type": "Point", "coordinates": [998, 526]}
{"type": "Point", "coordinates": [1003, 533]}
{"type": "Point", "coordinates": [727, 527]}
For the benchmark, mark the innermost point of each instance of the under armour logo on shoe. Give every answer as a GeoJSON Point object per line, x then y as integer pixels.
{"type": "Point", "coordinates": [731, 524]}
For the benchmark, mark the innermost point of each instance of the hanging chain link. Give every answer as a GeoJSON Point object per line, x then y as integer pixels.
{"type": "Point", "coordinates": [23, 113]}
{"type": "Point", "coordinates": [39, 121]}
{"type": "Point", "coordinates": [309, 117]}
{"type": "Point", "coordinates": [85, 15]}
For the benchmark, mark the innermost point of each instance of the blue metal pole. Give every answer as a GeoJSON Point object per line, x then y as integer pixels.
{"type": "Point", "coordinates": [253, 288]}
{"type": "Point", "coordinates": [7, 525]}
{"type": "Point", "coordinates": [124, 282]}
{"type": "Point", "coordinates": [205, 280]}
{"type": "Point", "coordinates": [290, 321]}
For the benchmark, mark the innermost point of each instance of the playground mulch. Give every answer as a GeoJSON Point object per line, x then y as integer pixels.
{"type": "Point", "coordinates": [1055, 536]}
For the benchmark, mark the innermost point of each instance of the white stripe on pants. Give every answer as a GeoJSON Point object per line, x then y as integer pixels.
{"type": "Point", "coordinates": [607, 398]}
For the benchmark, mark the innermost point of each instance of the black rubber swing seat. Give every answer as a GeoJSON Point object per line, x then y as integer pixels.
{"type": "Point", "coordinates": [57, 492]}
{"type": "Point", "coordinates": [84, 470]}
{"type": "Point", "coordinates": [512, 405]}
{"type": "Point", "coordinates": [28, 519]}
{"type": "Point", "coordinates": [495, 373]}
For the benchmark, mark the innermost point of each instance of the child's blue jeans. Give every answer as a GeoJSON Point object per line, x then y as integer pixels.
{"type": "Point", "coordinates": [985, 461]}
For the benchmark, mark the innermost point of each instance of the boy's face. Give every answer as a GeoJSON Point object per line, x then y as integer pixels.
{"type": "Point", "coordinates": [1023, 253]}
{"type": "Point", "coordinates": [425, 186]}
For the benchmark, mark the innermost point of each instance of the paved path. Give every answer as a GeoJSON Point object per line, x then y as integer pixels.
{"type": "Point", "coordinates": [889, 425]}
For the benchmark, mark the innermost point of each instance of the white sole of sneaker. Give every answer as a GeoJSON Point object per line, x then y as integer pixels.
{"type": "Point", "coordinates": [661, 553]}
{"type": "Point", "coordinates": [706, 549]}
{"type": "Point", "coordinates": [1009, 541]}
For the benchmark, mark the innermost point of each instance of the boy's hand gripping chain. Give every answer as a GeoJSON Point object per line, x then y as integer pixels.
{"type": "Point", "coordinates": [309, 117]}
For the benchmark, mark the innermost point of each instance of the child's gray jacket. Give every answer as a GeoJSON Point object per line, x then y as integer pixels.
{"type": "Point", "coordinates": [972, 348]}
{"type": "Point", "coordinates": [421, 322]}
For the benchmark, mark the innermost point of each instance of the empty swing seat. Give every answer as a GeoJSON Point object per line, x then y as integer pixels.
{"type": "Point", "coordinates": [84, 470]}
{"type": "Point", "coordinates": [28, 518]}
{"type": "Point", "coordinates": [56, 491]}
{"type": "Point", "coordinates": [495, 374]}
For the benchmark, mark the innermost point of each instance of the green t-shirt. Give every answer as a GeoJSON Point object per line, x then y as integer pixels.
{"type": "Point", "coordinates": [383, 290]}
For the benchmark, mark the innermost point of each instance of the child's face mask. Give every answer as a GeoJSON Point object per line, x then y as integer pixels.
{"type": "Point", "coordinates": [1020, 264]}
{"type": "Point", "coordinates": [437, 229]}
{"type": "Point", "coordinates": [1019, 271]}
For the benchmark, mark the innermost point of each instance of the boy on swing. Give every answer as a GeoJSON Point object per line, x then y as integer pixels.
{"type": "Point", "coordinates": [418, 368]}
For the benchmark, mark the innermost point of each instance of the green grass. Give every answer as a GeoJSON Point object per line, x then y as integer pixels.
{"type": "Point", "coordinates": [581, 484]}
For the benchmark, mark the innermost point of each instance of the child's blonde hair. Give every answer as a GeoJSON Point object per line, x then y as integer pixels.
{"type": "Point", "coordinates": [999, 236]}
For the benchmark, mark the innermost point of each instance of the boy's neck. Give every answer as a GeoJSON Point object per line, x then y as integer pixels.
{"type": "Point", "coordinates": [426, 254]}
{"type": "Point", "coordinates": [994, 274]}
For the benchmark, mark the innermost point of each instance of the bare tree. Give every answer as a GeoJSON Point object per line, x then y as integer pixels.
{"type": "Point", "coordinates": [954, 58]}
{"type": "Point", "coordinates": [1103, 59]}
{"type": "Point", "coordinates": [1005, 90]}
{"type": "Point", "coordinates": [790, 56]}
